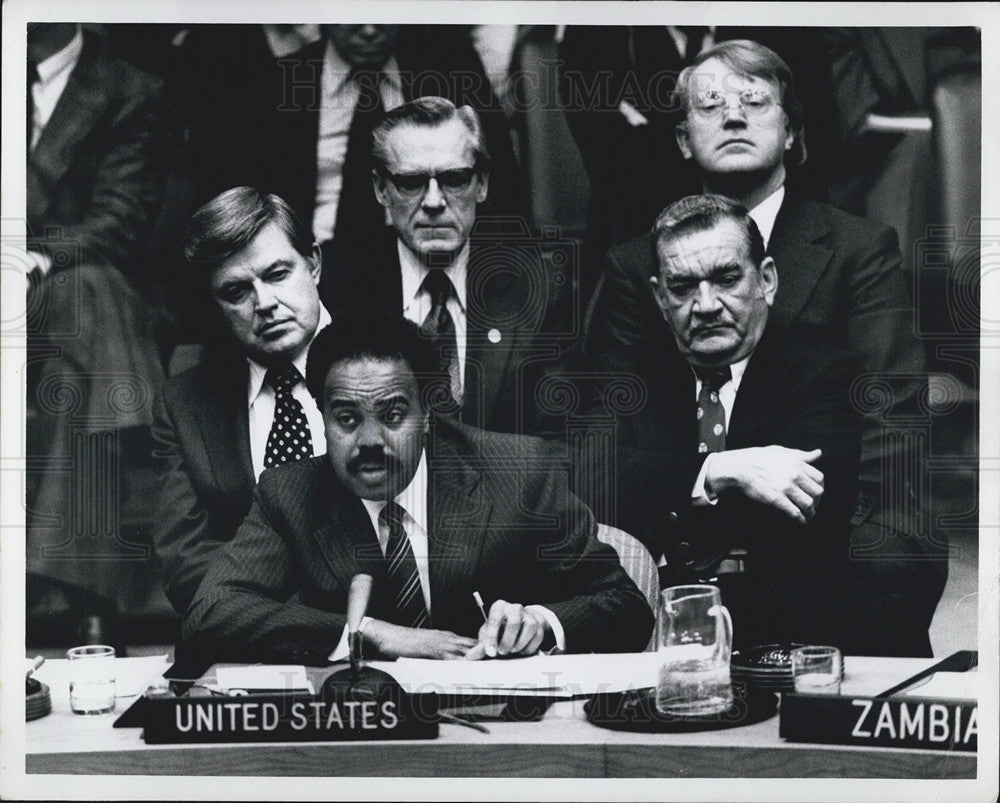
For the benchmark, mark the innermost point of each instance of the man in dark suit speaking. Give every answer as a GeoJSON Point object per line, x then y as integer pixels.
{"type": "Point", "coordinates": [497, 308]}
{"type": "Point", "coordinates": [431, 509]}
{"type": "Point", "coordinates": [841, 279]}
{"type": "Point", "coordinates": [740, 468]}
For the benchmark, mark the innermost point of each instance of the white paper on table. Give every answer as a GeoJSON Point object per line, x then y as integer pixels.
{"type": "Point", "coordinates": [539, 675]}
{"type": "Point", "coordinates": [957, 685]}
{"type": "Point", "coordinates": [255, 678]}
{"type": "Point", "coordinates": [132, 675]}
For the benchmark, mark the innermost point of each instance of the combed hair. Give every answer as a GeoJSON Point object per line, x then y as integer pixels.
{"type": "Point", "coordinates": [703, 213]}
{"type": "Point", "coordinates": [226, 224]}
{"type": "Point", "coordinates": [748, 58]}
{"type": "Point", "coordinates": [430, 110]}
{"type": "Point", "coordinates": [386, 337]}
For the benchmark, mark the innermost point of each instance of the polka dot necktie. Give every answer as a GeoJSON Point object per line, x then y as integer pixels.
{"type": "Point", "coordinates": [711, 413]}
{"type": "Point", "coordinates": [289, 438]}
{"type": "Point", "coordinates": [401, 566]}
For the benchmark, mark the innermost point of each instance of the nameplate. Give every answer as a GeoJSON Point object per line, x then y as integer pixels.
{"type": "Point", "coordinates": [918, 722]}
{"type": "Point", "coordinates": [290, 718]}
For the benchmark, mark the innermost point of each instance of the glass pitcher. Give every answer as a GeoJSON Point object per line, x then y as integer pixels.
{"type": "Point", "coordinates": [695, 643]}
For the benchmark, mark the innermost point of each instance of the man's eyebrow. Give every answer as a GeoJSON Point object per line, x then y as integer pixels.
{"type": "Point", "coordinates": [398, 398]}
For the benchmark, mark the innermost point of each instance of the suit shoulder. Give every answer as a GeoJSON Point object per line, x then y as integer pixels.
{"type": "Point", "coordinates": [633, 256]}
{"type": "Point", "coordinates": [293, 480]}
{"type": "Point", "coordinates": [845, 224]}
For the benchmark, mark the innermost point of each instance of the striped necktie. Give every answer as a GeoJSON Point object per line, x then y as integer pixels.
{"type": "Point", "coordinates": [401, 566]}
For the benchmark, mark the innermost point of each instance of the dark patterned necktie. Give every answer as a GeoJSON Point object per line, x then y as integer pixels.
{"type": "Point", "coordinates": [401, 566]}
{"type": "Point", "coordinates": [439, 326]}
{"type": "Point", "coordinates": [360, 217]}
{"type": "Point", "coordinates": [289, 438]}
{"type": "Point", "coordinates": [711, 413]}
{"type": "Point", "coordinates": [30, 99]}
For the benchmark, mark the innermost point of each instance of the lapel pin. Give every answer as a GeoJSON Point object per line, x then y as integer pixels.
{"type": "Point", "coordinates": [493, 335]}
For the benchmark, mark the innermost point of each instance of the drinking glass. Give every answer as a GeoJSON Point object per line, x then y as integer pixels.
{"type": "Point", "coordinates": [817, 670]}
{"type": "Point", "coordinates": [92, 679]}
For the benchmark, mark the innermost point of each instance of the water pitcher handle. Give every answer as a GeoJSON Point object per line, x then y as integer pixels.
{"type": "Point", "coordinates": [722, 612]}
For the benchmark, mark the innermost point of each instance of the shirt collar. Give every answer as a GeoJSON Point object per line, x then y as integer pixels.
{"type": "Point", "coordinates": [765, 213]}
{"type": "Point", "coordinates": [258, 372]}
{"type": "Point", "coordinates": [284, 39]}
{"type": "Point", "coordinates": [336, 71]}
{"type": "Point", "coordinates": [413, 498]}
{"type": "Point", "coordinates": [413, 273]}
{"type": "Point", "coordinates": [61, 60]}
{"type": "Point", "coordinates": [737, 369]}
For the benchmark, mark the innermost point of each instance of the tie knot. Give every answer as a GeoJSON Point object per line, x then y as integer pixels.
{"type": "Point", "coordinates": [437, 283]}
{"type": "Point", "coordinates": [714, 378]}
{"type": "Point", "coordinates": [392, 514]}
{"type": "Point", "coordinates": [283, 379]}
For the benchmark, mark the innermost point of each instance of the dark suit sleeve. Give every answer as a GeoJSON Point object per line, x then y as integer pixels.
{"type": "Point", "coordinates": [128, 179]}
{"type": "Point", "coordinates": [181, 534]}
{"type": "Point", "coordinates": [582, 582]}
{"type": "Point", "coordinates": [880, 329]}
{"type": "Point", "coordinates": [620, 327]}
{"type": "Point", "coordinates": [242, 609]}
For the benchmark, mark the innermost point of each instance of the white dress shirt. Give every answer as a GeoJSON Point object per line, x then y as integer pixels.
{"type": "Point", "coordinates": [766, 212]}
{"type": "Point", "coordinates": [339, 97]}
{"type": "Point", "coordinates": [413, 501]}
{"type": "Point", "coordinates": [417, 301]}
{"type": "Point", "coordinates": [53, 74]}
{"type": "Point", "coordinates": [727, 395]}
{"type": "Point", "coordinates": [261, 402]}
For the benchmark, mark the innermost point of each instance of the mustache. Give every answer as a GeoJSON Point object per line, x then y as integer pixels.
{"type": "Point", "coordinates": [373, 454]}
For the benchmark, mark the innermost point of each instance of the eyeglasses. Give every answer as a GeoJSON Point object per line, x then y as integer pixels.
{"type": "Point", "coordinates": [412, 185]}
{"type": "Point", "coordinates": [712, 104]}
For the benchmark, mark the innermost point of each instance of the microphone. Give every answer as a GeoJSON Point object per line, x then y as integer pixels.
{"type": "Point", "coordinates": [357, 604]}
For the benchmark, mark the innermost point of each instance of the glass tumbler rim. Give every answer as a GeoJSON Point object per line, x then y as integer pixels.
{"type": "Point", "coordinates": [90, 651]}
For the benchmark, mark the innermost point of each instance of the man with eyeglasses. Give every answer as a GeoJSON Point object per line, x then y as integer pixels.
{"type": "Point", "coordinates": [489, 304]}
{"type": "Point", "coordinates": [840, 278]}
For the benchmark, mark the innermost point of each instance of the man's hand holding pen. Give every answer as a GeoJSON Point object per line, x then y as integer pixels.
{"type": "Point", "coordinates": [510, 629]}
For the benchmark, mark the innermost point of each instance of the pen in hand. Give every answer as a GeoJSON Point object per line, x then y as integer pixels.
{"type": "Point", "coordinates": [490, 650]}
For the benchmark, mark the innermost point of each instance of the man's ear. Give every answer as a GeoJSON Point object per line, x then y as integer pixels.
{"type": "Point", "coordinates": [316, 263]}
{"type": "Point", "coordinates": [661, 302]}
{"type": "Point", "coordinates": [769, 280]}
{"type": "Point", "coordinates": [378, 182]}
{"type": "Point", "coordinates": [681, 133]}
{"type": "Point", "coordinates": [484, 187]}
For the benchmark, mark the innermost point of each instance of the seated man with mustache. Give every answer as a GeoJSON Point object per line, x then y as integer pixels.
{"type": "Point", "coordinates": [432, 509]}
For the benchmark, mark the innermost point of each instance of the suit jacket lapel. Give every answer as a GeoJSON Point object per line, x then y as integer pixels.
{"type": "Point", "coordinates": [224, 423]}
{"type": "Point", "coordinates": [799, 258]}
{"type": "Point", "coordinates": [459, 520]}
{"type": "Point", "coordinates": [752, 411]}
{"type": "Point", "coordinates": [80, 105]}
{"type": "Point", "coordinates": [490, 340]}
{"type": "Point", "coordinates": [348, 541]}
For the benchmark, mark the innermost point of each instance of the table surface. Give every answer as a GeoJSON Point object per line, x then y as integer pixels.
{"type": "Point", "coordinates": [562, 744]}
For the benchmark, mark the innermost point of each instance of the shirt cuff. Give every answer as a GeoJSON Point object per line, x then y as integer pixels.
{"type": "Point", "coordinates": [554, 625]}
{"type": "Point", "coordinates": [699, 494]}
{"type": "Point", "coordinates": [342, 651]}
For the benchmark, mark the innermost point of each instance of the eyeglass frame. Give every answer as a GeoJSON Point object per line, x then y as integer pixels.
{"type": "Point", "coordinates": [751, 112]}
{"type": "Point", "coordinates": [475, 170]}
